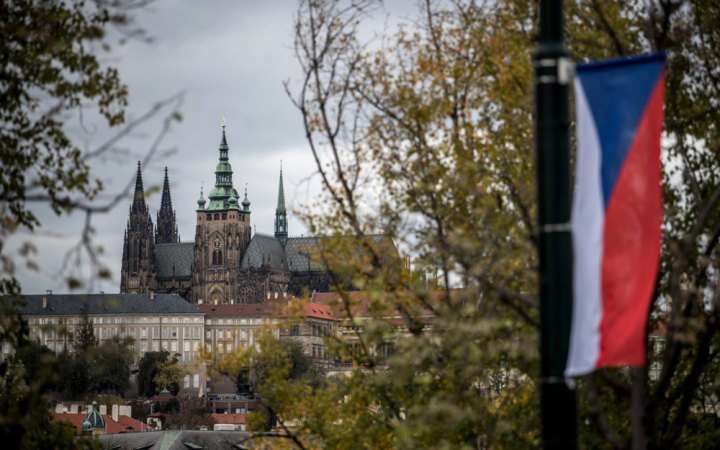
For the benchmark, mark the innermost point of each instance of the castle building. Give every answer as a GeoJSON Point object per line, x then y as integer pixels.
{"type": "Point", "coordinates": [226, 263]}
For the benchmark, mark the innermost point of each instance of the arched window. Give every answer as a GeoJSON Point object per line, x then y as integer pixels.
{"type": "Point", "coordinates": [217, 216]}
{"type": "Point", "coordinates": [220, 260]}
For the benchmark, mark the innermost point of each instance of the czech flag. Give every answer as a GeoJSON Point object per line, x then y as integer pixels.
{"type": "Point", "coordinates": [617, 210]}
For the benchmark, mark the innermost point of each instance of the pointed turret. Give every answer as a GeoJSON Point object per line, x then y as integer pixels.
{"type": "Point", "coordinates": [166, 231]}
{"type": "Point", "coordinates": [246, 202]}
{"type": "Point", "coordinates": [201, 200]}
{"type": "Point", "coordinates": [281, 231]}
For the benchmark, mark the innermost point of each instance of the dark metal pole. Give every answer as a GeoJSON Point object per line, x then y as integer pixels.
{"type": "Point", "coordinates": [552, 84]}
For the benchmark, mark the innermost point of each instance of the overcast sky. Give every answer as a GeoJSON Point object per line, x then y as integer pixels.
{"type": "Point", "coordinates": [229, 58]}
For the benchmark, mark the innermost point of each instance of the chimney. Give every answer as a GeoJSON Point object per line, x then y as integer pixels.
{"type": "Point", "coordinates": [115, 413]}
{"type": "Point", "coordinates": [74, 408]}
{"type": "Point", "coordinates": [103, 410]}
{"type": "Point", "coordinates": [124, 411]}
{"type": "Point", "coordinates": [152, 295]}
{"type": "Point", "coordinates": [199, 301]}
{"type": "Point", "coordinates": [232, 301]}
{"type": "Point", "coordinates": [44, 302]}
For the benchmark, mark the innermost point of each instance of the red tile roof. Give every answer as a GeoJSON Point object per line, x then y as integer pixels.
{"type": "Point", "coordinates": [362, 306]}
{"type": "Point", "coordinates": [318, 311]}
{"type": "Point", "coordinates": [233, 419]}
{"type": "Point", "coordinates": [274, 308]}
{"type": "Point", "coordinates": [124, 424]}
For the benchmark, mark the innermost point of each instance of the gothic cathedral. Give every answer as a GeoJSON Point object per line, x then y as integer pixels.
{"type": "Point", "coordinates": [226, 263]}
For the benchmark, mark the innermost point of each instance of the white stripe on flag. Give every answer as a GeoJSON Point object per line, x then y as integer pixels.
{"type": "Point", "coordinates": [588, 216]}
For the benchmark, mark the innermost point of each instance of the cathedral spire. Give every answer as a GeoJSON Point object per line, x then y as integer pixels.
{"type": "Point", "coordinates": [281, 231]}
{"type": "Point", "coordinates": [220, 196]}
{"type": "Point", "coordinates": [139, 196]}
{"type": "Point", "coordinates": [138, 247]}
{"type": "Point", "coordinates": [281, 192]}
{"type": "Point", "coordinates": [166, 231]}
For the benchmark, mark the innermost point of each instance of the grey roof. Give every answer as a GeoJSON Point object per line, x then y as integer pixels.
{"type": "Point", "coordinates": [180, 255]}
{"type": "Point", "coordinates": [176, 440]}
{"type": "Point", "coordinates": [264, 249]}
{"type": "Point", "coordinates": [300, 251]}
{"type": "Point", "coordinates": [75, 304]}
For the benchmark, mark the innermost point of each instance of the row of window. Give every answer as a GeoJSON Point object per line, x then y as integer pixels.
{"type": "Point", "coordinates": [223, 216]}
{"type": "Point", "coordinates": [320, 330]}
{"type": "Point", "coordinates": [171, 346]}
{"type": "Point", "coordinates": [227, 334]}
{"type": "Point", "coordinates": [318, 351]}
{"type": "Point", "coordinates": [149, 332]}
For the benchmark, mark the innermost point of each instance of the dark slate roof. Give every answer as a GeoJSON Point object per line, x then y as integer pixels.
{"type": "Point", "coordinates": [264, 249]}
{"type": "Point", "coordinates": [75, 304]}
{"type": "Point", "coordinates": [176, 440]}
{"type": "Point", "coordinates": [300, 251]}
{"type": "Point", "coordinates": [179, 255]}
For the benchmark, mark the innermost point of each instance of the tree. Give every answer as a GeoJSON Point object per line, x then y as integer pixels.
{"type": "Point", "coordinates": [439, 120]}
{"type": "Point", "coordinates": [25, 377]}
{"type": "Point", "coordinates": [148, 368]}
{"type": "Point", "coordinates": [110, 366]}
{"type": "Point", "coordinates": [275, 370]}
{"type": "Point", "coordinates": [52, 69]}
{"type": "Point", "coordinates": [170, 375]}
{"type": "Point", "coordinates": [86, 334]}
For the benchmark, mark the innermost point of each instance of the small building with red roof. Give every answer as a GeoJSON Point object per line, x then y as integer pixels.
{"type": "Point", "coordinates": [93, 422]}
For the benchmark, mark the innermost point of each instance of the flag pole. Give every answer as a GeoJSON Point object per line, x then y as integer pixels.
{"type": "Point", "coordinates": [552, 84]}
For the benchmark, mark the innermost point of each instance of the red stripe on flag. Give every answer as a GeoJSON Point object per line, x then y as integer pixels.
{"type": "Point", "coordinates": [631, 247]}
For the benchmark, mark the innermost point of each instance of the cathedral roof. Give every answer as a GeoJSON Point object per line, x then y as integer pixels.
{"type": "Point", "coordinates": [299, 251]}
{"type": "Point", "coordinates": [76, 304]}
{"type": "Point", "coordinates": [264, 249]}
{"type": "Point", "coordinates": [298, 255]}
{"type": "Point", "coordinates": [179, 255]}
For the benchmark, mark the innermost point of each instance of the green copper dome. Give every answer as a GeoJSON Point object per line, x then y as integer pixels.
{"type": "Point", "coordinates": [93, 419]}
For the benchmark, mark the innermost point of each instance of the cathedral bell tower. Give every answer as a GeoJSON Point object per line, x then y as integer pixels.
{"type": "Point", "coordinates": [222, 234]}
{"type": "Point", "coordinates": [137, 273]}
